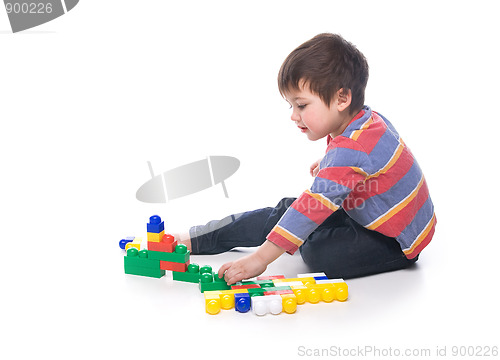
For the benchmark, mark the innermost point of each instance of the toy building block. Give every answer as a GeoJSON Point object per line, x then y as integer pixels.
{"type": "Point", "coordinates": [316, 276]}
{"type": "Point", "coordinates": [304, 280]}
{"type": "Point", "coordinates": [167, 244]}
{"type": "Point", "coordinates": [180, 255]}
{"type": "Point", "coordinates": [256, 292]}
{"type": "Point", "coordinates": [155, 237]}
{"type": "Point", "coordinates": [340, 288]}
{"type": "Point", "coordinates": [300, 292]}
{"type": "Point", "coordinates": [272, 277]}
{"type": "Point", "coordinates": [278, 292]}
{"type": "Point", "coordinates": [209, 282]}
{"type": "Point", "coordinates": [124, 242]}
{"type": "Point", "coordinates": [326, 292]}
{"type": "Point", "coordinates": [212, 302]}
{"type": "Point", "coordinates": [155, 224]}
{"type": "Point", "coordinates": [226, 297]}
{"type": "Point", "coordinates": [289, 303]}
{"type": "Point", "coordinates": [192, 274]}
{"type": "Point", "coordinates": [261, 283]}
{"type": "Point", "coordinates": [242, 302]}
{"type": "Point", "coordinates": [136, 243]}
{"type": "Point", "coordinates": [262, 305]}
{"type": "Point", "coordinates": [138, 263]}
{"type": "Point", "coordinates": [246, 286]}
{"type": "Point", "coordinates": [173, 266]}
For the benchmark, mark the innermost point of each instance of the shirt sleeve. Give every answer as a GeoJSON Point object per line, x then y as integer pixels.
{"type": "Point", "coordinates": [333, 183]}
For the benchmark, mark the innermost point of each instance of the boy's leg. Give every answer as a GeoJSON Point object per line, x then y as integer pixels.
{"type": "Point", "coordinates": [247, 229]}
{"type": "Point", "coordinates": [342, 248]}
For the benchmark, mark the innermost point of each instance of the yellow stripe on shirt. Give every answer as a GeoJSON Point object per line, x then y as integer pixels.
{"type": "Point", "coordinates": [395, 209]}
{"type": "Point", "coordinates": [355, 134]}
{"type": "Point", "coordinates": [392, 161]}
{"type": "Point", "coordinates": [287, 235]}
{"type": "Point", "coordinates": [422, 235]}
{"type": "Point", "coordinates": [323, 200]}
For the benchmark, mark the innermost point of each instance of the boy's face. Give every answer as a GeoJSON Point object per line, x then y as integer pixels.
{"type": "Point", "coordinates": [314, 118]}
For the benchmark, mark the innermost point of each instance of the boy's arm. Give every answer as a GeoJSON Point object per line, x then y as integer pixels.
{"type": "Point", "coordinates": [251, 265]}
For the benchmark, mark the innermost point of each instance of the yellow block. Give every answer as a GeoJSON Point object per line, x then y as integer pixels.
{"type": "Point", "coordinates": [326, 292]}
{"type": "Point", "coordinates": [341, 290]}
{"type": "Point", "coordinates": [227, 297]}
{"type": "Point", "coordinates": [289, 303]}
{"type": "Point", "coordinates": [155, 237]}
{"type": "Point", "coordinates": [212, 302]}
{"type": "Point", "coordinates": [136, 243]}
{"type": "Point", "coordinates": [300, 292]}
{"type": "Point", "coordinates": [303, 280]}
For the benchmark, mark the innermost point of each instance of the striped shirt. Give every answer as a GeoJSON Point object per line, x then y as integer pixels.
{"type": "Point", "coordinates": [369, 172]}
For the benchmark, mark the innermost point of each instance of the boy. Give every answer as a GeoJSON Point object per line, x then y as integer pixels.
{"type": "Point", "coordinates": [368, 210]}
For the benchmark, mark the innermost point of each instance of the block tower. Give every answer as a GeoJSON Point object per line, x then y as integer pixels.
{"type": "Point", "coordinates": [164, 254]}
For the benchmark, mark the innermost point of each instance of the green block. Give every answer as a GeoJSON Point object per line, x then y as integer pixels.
{"type": "Point", "coordinates": [186, 276]}
{"type": "Point", "coordinates": [261, 283]}
{"type": "Point", "coordinates": [173, 257]}
{"type": "Point", "coordinates": [278, 288]}
{"type": "Point", "coordinates": [256, 292]}
{"type": "Point", "coordinates": [156, 273]}
{"type": "Point", "coordinates": [210, 282]}
{"type": "Point", "coordinates": [136, 261]}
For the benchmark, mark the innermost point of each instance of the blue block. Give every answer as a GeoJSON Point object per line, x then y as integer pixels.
{"type": "Point", "coordinates": [320, 277]}
{"type": "Point", "coordinates": [242, 302]}
{"type": "Point", "coordinates": [125, 241]}
{"type": "Point", "coordinates": [155, 224]}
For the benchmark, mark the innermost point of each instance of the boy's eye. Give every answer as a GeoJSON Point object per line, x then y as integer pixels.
{"type": "Point", "coordinates": [301, 106]}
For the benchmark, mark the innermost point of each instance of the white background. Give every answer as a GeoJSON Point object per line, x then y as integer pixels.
{"type": "Point", "coordinates": [87, 99]}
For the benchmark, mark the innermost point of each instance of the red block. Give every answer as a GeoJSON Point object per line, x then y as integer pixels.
{"type": "Point", "coordinates": [249, 286]}
{"type": "Point", "coordinates": [272, 277]}
{"type": "Point", "coordinates": [172, 266]}
{"type": "Point", "coordinates": [278, 292]}
{"type": "Point", "coordinates": [167, 244]}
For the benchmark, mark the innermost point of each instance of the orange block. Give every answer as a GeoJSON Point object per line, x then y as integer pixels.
{"type": "Point", "coordinates": [167, 244]}
{"type": "Point", "coordinates": [172, 266]}
{"type": "Point", "coordinates": [249, 286]}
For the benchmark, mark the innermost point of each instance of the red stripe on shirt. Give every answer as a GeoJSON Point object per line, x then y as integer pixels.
{"type": "Point", "coordinates": [414, 252]}
{"type": "Point", "coordinates": [312, 208]}
{"type": "Point", "coordinates": [370, 136]}
{"type": "Point", "coordinates": [397, 223]}
{"type": "Point", "coordinates": [279, 240]}
{"type": "Point", "coordinates": [381, 183]}
{"type": "Point", "coordinates": [344, 176]}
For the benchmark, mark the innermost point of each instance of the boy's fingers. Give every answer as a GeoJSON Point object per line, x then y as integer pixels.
{"type": "Point", "coordinates": [223, 269]}
{"type": "Point", "coordinates": [234, 278]}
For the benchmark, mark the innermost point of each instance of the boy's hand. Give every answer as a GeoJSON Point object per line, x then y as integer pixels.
{"type": "Point", "coordinates": [315, 168]}
{"type": "Point", "coordinates": [251, 265]}
{"type": "Point", "coordinates": [244, 268]}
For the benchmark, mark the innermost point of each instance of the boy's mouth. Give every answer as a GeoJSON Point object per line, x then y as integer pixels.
{"type": "Point", "coordinates": [302, 128]}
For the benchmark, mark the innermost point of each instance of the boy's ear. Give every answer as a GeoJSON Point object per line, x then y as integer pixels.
{"type": "Point", "coordinates": [344, 98]}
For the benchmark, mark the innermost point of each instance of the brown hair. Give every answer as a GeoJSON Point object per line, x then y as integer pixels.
{"type": "Point", "coordinates": [326, 64]}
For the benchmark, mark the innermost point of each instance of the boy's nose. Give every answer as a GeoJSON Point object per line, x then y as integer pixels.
{"type": "Point", "coordinates": [295, 117]}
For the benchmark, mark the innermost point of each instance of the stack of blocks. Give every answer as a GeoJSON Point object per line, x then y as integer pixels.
{"type": "Point", "coordinates": [266, 294]}
{"type": "Point", "coordinates": [275, 294]}
{"type": "Point", "coordinates": [163, 253]}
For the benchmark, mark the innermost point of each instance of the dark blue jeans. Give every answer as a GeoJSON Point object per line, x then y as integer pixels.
{"type": "Point", "coordinates": [340, 247]}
